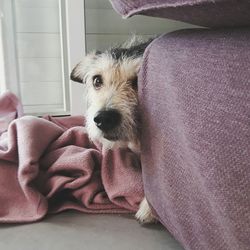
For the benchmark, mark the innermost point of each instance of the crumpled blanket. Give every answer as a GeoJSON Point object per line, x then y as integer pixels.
{"type": "Point", "coordinates": [48, 165]}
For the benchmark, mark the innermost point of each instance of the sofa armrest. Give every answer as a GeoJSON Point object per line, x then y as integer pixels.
{"type": "Point", "coordinates": [194, 92]}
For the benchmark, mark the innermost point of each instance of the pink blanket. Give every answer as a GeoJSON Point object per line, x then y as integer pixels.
{"type": "Point", "coordinates": [48, 165]}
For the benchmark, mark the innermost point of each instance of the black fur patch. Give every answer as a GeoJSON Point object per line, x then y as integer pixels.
{"type": "Point", "coordinates": [74, 77]}
{"type": "Point", "coordinates": [134, 51]}
{"type": "Point", "coordinates": [98, 52]}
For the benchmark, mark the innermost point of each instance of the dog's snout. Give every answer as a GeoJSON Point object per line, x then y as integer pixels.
{"type": "Point", "coordinates": [107, 120]}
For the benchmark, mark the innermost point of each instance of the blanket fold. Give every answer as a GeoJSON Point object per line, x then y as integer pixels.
{"type": "Point", "coordinates": [48, 165]}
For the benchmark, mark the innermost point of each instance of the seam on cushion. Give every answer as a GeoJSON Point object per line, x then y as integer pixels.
{"type": "Point", "coordinates": [143, 71]}
{"type": "Point", "coordinates": [145, 62]}
{"type": "Point", "coordinates": [129, 8]}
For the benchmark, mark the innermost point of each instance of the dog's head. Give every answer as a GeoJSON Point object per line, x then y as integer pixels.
{"type": "Point", "coordinates": [111, 80]}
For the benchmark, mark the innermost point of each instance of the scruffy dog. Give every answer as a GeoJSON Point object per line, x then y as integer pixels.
{"type": "Point", "coordinates": [112, 100]}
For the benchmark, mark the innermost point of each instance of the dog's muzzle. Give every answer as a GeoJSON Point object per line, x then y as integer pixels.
{"type": "Point", "coordinates": [107, 120]}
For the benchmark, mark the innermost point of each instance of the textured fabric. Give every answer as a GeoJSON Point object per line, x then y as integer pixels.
{"type": "Point", "coordinates": [208, 13]}
{"type": "Point", "coordinates": [194, 89]}
{"type": "Point", "coordinates": [10, 109]}
{"type": "Point", "coordinates": [49, 165]}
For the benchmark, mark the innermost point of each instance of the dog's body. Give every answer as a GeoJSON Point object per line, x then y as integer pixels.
{"type": "Point", "coordinates": [112, 101]}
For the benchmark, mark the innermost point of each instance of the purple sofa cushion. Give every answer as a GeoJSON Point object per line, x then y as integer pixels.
{"type": "Point", "coordinates": [208, 13]}
{"type": "Point", "coordinates": [194, 89]}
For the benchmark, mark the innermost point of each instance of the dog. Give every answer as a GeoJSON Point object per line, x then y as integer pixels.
{"type": "Point", "coordinates": [112, 99]}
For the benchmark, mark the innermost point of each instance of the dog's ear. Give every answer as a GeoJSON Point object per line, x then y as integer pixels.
{"type": "Point", "coordinates": [76, 74]}
{"type": "Point", "coordinates": [81, 69]}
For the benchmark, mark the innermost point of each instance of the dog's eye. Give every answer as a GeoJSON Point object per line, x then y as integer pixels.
{"type": "Point", "coordinates": [134, 83]}
{"type": "Point", "coordinates": [97, 81]}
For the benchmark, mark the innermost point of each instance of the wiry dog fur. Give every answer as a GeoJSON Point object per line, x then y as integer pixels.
{"type": "Point", "coordinates": [111, 80]}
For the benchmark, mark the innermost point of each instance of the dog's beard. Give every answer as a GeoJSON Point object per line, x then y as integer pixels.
{"type": "Point", "coordinates": [112, 136]}
{"type": "Point", "coordinates": [120, 134]}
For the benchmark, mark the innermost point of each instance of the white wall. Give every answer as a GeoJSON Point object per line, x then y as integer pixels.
{"type": "Point", "coordinates": [37, 26]}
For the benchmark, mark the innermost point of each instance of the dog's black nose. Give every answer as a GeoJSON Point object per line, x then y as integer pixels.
{"type": "Point", "coordinates": [107, 120]}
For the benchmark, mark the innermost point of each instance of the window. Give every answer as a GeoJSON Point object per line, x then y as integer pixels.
{"type": "Point", "coordinates": [43, 40]}
{"type": "Point", "coordinates": [2, 67]}
{"type": "Point", "coordinates": [38, 58]}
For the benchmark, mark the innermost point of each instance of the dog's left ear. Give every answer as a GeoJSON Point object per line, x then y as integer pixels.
{"type": "Point", "coordinates": [76, 74]}
{"type": "Point", "coordinates": [80, 70]}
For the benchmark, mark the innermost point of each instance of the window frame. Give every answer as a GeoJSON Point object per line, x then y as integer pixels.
{"type": "Point", "coordinates": [72, 42]}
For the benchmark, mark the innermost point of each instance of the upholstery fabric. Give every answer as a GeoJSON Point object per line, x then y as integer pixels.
{"type": "Point", "coordinates": [194, 88]}
{"type": "Point", "coordinates": [208, 13]}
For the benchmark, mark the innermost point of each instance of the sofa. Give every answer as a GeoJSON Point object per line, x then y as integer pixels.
{"type": "Point", "coordinates": [194, 92]}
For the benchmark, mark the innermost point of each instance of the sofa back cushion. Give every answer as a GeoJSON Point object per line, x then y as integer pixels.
{"type": "Point", "coordinates": [207, 13]}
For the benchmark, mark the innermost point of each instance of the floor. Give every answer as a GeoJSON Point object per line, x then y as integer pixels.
{"type": "Point", "coordinates": [73, 231]}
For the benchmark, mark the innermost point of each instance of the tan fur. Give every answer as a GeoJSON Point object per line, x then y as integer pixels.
{"type": "Point", "coordinates": [116, 92]}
